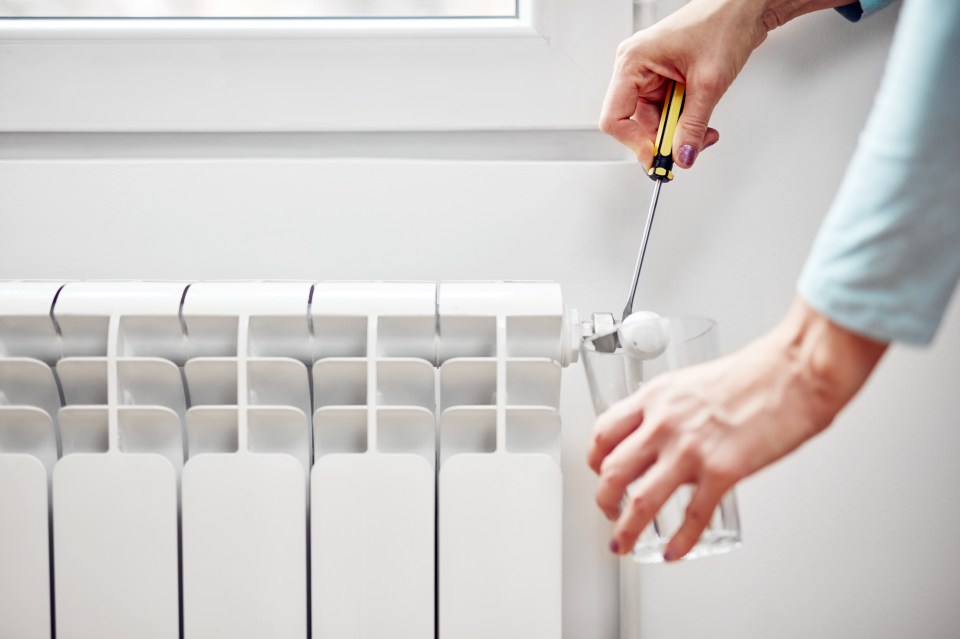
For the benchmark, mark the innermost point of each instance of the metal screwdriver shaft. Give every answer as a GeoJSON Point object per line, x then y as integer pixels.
{"type": "Point", "coordinates": [661, 170]}
{"type": "Point", "coordinates": [628, 309]}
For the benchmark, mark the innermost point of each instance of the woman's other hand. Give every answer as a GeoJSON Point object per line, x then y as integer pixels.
{"type": "Point", "coordinates": [714, 424]}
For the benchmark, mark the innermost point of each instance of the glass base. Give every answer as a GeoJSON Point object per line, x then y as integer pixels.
{"type": "Point", "coordinates": [711, 543]}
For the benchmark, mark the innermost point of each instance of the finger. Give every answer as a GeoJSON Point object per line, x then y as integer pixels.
{"type": "Point", "coordinates": [711, 138]}
{"type": "Point", "coordinates": [698, 105]}
{"type": "Point", "coordinates": [612, 427]}
{"type": "Point", "coordinates": [616, 119]}
{"type": "Point", "coordinates": [645, 501]}
{"type": "Point", "coordinates": [647, 117]}
{"type": "Point", "coordinates": [627, 462]}
{"type": "Point", "coordinates": [699, 512]}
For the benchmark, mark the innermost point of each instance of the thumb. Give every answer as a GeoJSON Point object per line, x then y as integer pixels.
{"type": "Point", "coordinates": [688, 141]}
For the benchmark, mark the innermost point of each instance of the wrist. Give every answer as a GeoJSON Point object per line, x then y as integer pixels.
{"type": "Point", "coordinates": [776, 13]}
{"type": "Point", "coordinates": [830, 361]}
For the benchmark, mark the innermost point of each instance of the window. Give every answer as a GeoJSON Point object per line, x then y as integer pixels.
{"type": "Point", "coordinates": [544, 66]}
{"type": "Point", "coordinates": [258, 8]}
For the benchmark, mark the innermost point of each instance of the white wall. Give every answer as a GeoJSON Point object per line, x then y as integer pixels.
{"type": "Point", "coordinates": [853, 536]}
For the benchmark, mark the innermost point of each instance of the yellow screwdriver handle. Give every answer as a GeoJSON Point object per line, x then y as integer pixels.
{"type": "Point", "coordinates": [662, 167]}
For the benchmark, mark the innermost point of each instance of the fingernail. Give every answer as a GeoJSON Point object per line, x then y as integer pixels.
{"type": "Point", "coordinates": [668, 555]}
{"type": "Point", "coordinates": [615, 546]}
{"type": "Point", "coordinates": [686, 155]}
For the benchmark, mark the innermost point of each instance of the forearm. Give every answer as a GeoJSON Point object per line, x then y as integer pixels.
{"type": "Point", "coordinates": [830, 361]}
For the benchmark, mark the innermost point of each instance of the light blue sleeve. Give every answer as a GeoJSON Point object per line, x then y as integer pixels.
{"type": "Point", "coordinates": [887, 258]}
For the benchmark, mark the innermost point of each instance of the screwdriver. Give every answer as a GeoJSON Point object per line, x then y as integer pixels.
{"type": "Point", "coordinates": [660, 171]}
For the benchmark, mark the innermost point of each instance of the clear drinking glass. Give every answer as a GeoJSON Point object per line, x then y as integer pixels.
{"type": "Point", "coordinates": [613, 376]}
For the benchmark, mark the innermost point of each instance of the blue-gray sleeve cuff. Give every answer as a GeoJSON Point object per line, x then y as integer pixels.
{"type": "Point", "coordinates": [852, 12]}
{"type": "Point", "coordinates": [856, 10]}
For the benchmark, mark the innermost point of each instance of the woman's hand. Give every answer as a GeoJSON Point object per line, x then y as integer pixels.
{"type": "Point", "coordinates": [704, 44]}
{"type": "Point", "coordinates": [714, 424]}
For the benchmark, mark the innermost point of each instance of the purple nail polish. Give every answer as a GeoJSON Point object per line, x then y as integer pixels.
{"type": "Point", "coordinates": [686, 155]}
{"type": "Point", "coordinates": [668, 555]}
{"type": "Point", "coordinates": [615, 546]}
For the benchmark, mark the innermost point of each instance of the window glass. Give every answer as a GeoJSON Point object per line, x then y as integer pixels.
{"type": "Point", "coordinates": [258, 8]}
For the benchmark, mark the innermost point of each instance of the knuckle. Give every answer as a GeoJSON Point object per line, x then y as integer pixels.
{"type": "Point", "coordinates": [658, 431]}
{"type": "Point", "coordinates": [695, 125]}
{"type": "Point", "coordinates": [600, 439]}
{"type": "Point", "coordinates": [601, 497]}
{"type": "Point", "coordinates": [602, 501]}
{"type": "Point", "coordinates": [711, 82]}
{"type": "Point", "coordinates": [639, 506]}
{"type": "Point", "coordinates": [772, 19]}
{"type": "Point", "coordinates": [594, 460]}
{"type": "Point", "coordinates": [608, 502]}
{"type": "Point", "coordinates": [611, 475]}
{"type": "Point", "coordinates": [722, 472]}
{"type": "Point", "coordinates": [697, 515]}
{"type": "Point", "coordinates": [605, 422]}
{"type": "Point", "coordinates": [606, 124]}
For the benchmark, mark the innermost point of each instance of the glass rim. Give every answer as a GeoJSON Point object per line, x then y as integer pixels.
{"type": "Point", "coordinates": [710, 325]}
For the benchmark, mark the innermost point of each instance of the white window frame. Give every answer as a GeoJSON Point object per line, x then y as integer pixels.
{"type": "Point", "coordinates": [546, 69]}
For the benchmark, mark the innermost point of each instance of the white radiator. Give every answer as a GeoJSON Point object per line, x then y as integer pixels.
{"type": "Point", "coordinates": [281, 460]}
